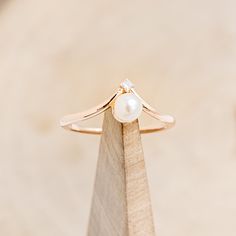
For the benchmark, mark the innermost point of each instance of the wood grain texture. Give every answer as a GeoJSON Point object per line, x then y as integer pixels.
{"type": "Point", "coordinates": [121, 203]}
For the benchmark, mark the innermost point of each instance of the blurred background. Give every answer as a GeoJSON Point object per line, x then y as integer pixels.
{"type": "Point", "coordinates": [61, 57]}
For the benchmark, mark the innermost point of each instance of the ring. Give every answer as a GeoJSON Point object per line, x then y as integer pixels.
{"type": "Point", "coordinates": [126, 107]}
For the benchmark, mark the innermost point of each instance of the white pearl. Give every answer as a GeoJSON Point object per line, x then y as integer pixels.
{"type": "Point", "coordinates": [127, 108]}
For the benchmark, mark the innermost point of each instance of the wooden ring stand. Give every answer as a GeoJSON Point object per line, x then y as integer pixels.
{"type": "Point", "coordinates": [121, 203]}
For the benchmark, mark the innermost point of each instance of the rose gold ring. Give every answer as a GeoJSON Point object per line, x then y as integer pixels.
{"type": "Point", "coordinates": [126, 107]}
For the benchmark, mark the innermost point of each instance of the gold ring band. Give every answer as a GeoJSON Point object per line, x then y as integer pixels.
{"type": "Point", "coordinates": [72, 122]}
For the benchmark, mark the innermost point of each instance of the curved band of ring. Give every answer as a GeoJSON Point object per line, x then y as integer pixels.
{"type": "Point", "coordinates": [71, 122]}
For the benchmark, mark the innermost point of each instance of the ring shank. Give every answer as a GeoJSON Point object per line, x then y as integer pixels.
{"type": "Point", "coordinates": [145, 130]}
{"type": "Point", "coordinates": [98, 131]}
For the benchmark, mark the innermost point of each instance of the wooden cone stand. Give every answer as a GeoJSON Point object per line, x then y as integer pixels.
{"type": "Point", "coordinates": [121, 203]}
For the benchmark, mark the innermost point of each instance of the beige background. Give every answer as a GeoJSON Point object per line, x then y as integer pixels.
{"type": "Point", "coordinates": [60, 57]}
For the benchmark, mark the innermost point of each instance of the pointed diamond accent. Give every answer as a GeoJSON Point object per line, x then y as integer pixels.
{"type": "Point", "coordinates": [127, 85]}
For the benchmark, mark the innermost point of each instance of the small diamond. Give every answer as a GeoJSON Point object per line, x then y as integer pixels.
{"type": "Point", "coordinates": [127, 85]}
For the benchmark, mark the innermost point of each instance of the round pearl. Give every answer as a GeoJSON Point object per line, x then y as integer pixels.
{"type": "Point", "coordinates": [127, 108]}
